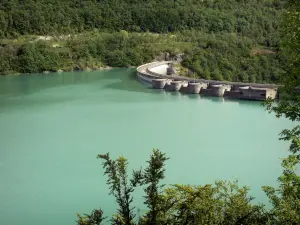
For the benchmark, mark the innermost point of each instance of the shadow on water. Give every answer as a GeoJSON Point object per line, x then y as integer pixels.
{"type": "Point", "coordinates": [215, 99]}
{"type": "Point", "coordinates": [193, 96]}
{"type": "Point", "coordinates": [13, 86]}
{"type": "Point", "coordinates": [244, 102]}
{"type": "Point", "coordinates": [130, 83]}
{"type": "Point", "coordinates": [13, 89]}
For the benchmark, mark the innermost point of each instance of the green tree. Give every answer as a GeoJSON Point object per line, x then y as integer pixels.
{"type": "Point", "coordinates": [206, 74]}
{"type": "Point", "coordinates": [221, 203]}
{"type": "Point", "coordinates": [224, 203]}
{"type": "Point", "coordinates": [95, 218]}
{"type": "Point", "coordinates": [227, 74]}
{"type": "Point", "coordinates": [286, 198]}
{"type": "Point", "coordinates": [120, 187]}
{"type": "Point", "coordinates": [151, 177]}
{"type": "Point", "coordinates": [3, 23]}
{"type": "Point", "coordinates": [216, 75]}
{"type": "Point", "coordinates": [243, 76]}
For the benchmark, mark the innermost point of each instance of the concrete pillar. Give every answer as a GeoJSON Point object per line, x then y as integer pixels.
{"type": "Point", "coordinates": [170, 69]}
{"type": "Point", "coordinates": [159, 83]}
{"type": "Point", "coordinates": [204, 85]}
{"type": "Point", "coordinates": [174, 86]}
{"type": "Point", "coordinates": [194, 88]}
{"type": "Point", "coordinates": [218, 90]}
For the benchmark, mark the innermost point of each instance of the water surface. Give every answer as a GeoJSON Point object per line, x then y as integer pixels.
{"type": "Point", "coordinates": [52, 127]}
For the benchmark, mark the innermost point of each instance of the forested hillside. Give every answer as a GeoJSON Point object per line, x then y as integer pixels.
{"type": "Point", "coordinates": [224, 39]}
{"type": "Point", "coordinates": [254, 18]}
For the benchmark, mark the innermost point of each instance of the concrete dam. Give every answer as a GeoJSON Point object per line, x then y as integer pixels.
{"type": "Point", "coordinates": [161, 75]}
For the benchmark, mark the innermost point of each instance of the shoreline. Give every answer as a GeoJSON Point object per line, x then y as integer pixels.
{"type": "Point", "coordinates": [46, 72]}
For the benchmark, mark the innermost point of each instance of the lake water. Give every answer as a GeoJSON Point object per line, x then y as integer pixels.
{"type": "Point", "coordinates": [53, 126]}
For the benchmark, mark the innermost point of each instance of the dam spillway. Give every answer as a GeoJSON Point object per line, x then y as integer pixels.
{"type": "Point", "coordinates": [174, 85]}
{"type": "Point", "coordinates": [159, 83]}
{"type": "Point", "coordinates": [194, 88]}
{"type": "Point", "coordinates": [157, 75]}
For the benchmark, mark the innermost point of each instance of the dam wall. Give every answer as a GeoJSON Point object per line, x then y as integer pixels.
{"type": "Point", "coordinates": [155, 75]}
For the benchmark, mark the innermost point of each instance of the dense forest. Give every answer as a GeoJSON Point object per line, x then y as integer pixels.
{"type": "Point", "coordinates": [234, 40]}
{"type": "Point", "coordinates": [254, 18]}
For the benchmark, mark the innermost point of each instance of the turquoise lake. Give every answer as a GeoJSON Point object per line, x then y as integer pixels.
{"type": "Point", "coordinates": [53, 126]}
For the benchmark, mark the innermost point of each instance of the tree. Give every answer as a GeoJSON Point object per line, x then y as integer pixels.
{"type": "Point", "coordinates": [243, 76]}
{"type": "Point", "coordinates": [30, 59]}
{"type": "Point", "coordinates": [224, 203]}
{"type": "Point", "coordinates": [3, 23]}
{"type": "Point", "coordinates": [221, 203]}
{"type": "Point", "coordinates": [95, 218]}
{"type": "Point", "coordinates": [286, 198]}
{"type": "Point", "coordinates": [216, 75]}
{"type": "Point", "coordinates": [37, 57]}
{"type": "Point", "coordinates": [151, 176]}
{"type": "Point", "coordinates": [120, 188]}
{"type": "Point", "coordinates": [206, 74]}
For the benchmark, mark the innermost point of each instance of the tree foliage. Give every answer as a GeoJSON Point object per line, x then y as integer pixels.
{"type": "Point", "coordinates": [95, 218]}
{"type": "Point", "coordinates": [286, 198]}
{"type": "Point", "coordinates": [120, 187]}
{"type": "Point", "coordinates": [256, 18]}
{"type": "Point", "coordinates": [220, 203]}
{"type": "Point", "coordinates": [150, 177]}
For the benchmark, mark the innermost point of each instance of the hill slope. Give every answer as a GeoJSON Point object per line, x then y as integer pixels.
{"type": "Point", "coordinates": [223, 39]}
{"type": "Point", "coordinates": [255, 18]}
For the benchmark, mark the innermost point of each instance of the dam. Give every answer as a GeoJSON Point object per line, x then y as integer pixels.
{"type": "Point", "coordinates": [161, 75]}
